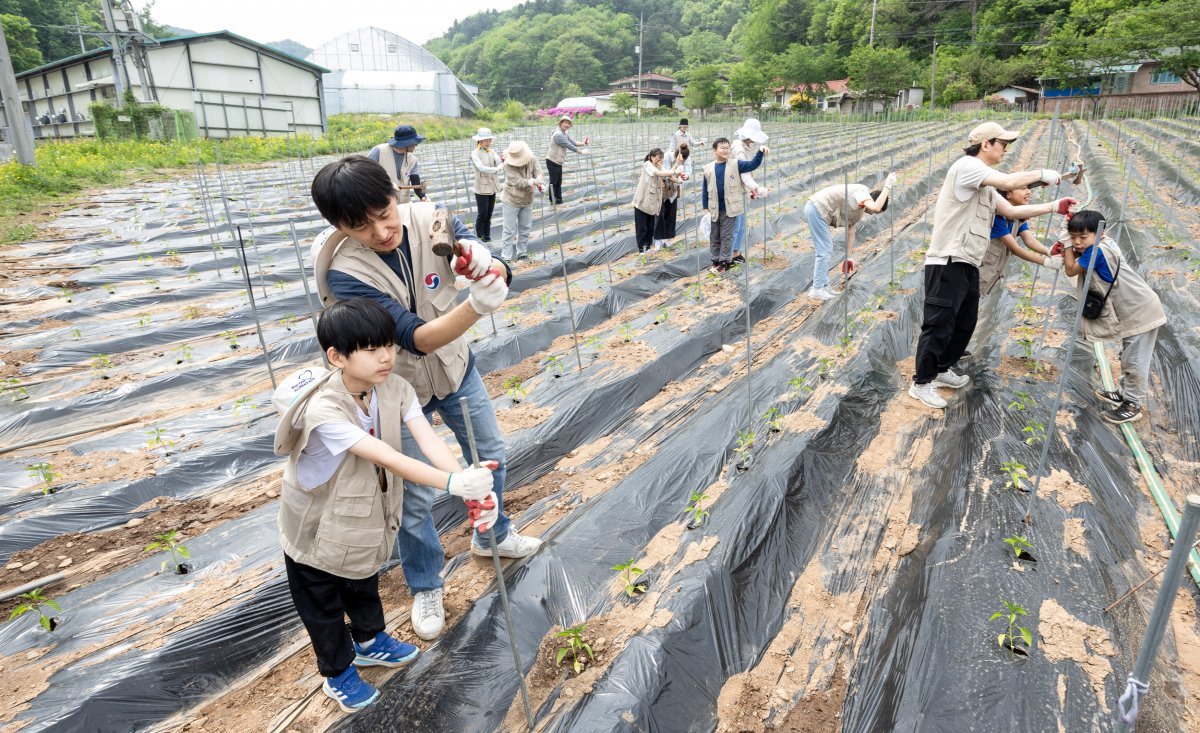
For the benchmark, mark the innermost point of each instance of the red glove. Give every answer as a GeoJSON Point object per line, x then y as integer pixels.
{"type": "Point", "coordinates": [1057, 249]}
{"type": "Point", "coordinates": [847, 266]}
{"type": "Point", "coordinates": [476, 508]}
{"type": "Point", "coordinates": [1065, 204]}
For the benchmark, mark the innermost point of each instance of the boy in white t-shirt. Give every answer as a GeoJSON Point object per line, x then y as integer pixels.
{"type": "Point", "coordinates": [343, 489]}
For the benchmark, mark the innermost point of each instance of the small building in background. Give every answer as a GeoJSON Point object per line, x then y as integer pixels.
{"type": "Point", "coordinates": [231, 85]}
{"type": "Point", "coordinates": [656, 90]}
{"type": "Point", "coordinates": [1143, 85]}
{"type": "Point", "coordinates": [372, 70]}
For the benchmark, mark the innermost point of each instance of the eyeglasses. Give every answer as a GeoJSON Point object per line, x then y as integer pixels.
{"type": "Point", "coordinates": [722, 147]}
{"type": "Point", "coordinates": [995, 140]}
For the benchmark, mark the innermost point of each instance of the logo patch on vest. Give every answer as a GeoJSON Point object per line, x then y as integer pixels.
{"type": "Point", "coordinates": [432, 281]}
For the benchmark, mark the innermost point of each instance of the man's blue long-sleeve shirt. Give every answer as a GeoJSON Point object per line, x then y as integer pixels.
{"type": "Point", "coordinates": [744, 166]}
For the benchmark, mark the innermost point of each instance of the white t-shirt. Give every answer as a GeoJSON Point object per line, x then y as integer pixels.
{"type": "Point", "coordinates": [969, 172]}
{"type": "Point", "coordinates": [831, 203]}
{"type": "Point", "coordinates": [328, 443]}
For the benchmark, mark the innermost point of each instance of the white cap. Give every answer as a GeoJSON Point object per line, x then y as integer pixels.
{"type": "Point", "coordinates": [751, 129]}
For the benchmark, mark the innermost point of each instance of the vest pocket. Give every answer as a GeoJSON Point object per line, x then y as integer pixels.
{"type": "Point", "coordinates": [356, 499]}
{"type": "Point", "coordinates": [352, 549]}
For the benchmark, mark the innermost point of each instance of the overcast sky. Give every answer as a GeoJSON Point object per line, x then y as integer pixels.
{"type": "Point", "coordinates": [311, 22]}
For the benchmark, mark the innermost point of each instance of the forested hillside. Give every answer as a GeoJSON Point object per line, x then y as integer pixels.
{"type": "Point", "coordinates": [542, 50]}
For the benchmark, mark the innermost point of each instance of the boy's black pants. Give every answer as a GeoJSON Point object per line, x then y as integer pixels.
{"type": "Point", "coordinates": [323, 601]}
{"type": "Point", "coordinates": [555, 181]}
{"type": "Point", "coordinates": [951, 309]}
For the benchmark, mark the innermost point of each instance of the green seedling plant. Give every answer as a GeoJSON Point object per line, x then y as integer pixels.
{"type": "Point", "coordinates": [1016, 475]}
{"type": "Point", "coordinates": [191, 312]}
{"type": "Point", "coordinates": [548, 300]}
{"type": "Point", "coordinates": [151, 283]}
{"type": "Point", "coordinates": [157, 439]}
{"type": "Point", "coordinates": [100, 363]}
{"type": "Point", "coordinates": [280, 285]}
{"type": "Point", "coordinates": [629, 573]}
{"type": "Point", "coordinates": [798, 386]}
{"type": "Point", "coordinates": [662, 315]}
{"type": "Point", "coordinates": [694, 291]}
{"type": "Point", "coordinates": [168, 543]}
{"type": "Point", "coordinates": [185, 353]}
{"type": "Point", "coordinates": [774, 419]}
{"type": "Point", "coordinates": [12, 385]}
{"type": "Point", "coordinates": [193, 276]}
{"type": "Point", "coordinates": [696, 509]}
{"type": "Point", "coordinates": [825, 368]}
{"type": "Point", "coordinates": [76, 334]}
{"type": "Point", "coordinates": [513, 389]}
{"type": "Point", "coordinates": [33, 602]}
{"type": "Point", "coordinates": [145, 260]}
{"type": "Point", "coordinates": [513, 314]}
{"type": "Point", "coordinates": [1019, 544]}
{"type": "Point", "coordinates": [144, 320]}
{"type": "Point", "coordinates": [172, 252]}
{"type": "Point", "coordinates": [599, 279]}
{"type": "Point", "coordinates": [67, 293]}
{"type": "Point", "coordinates": [1035, 432]}
{"type": "Point", "coordinates": [1016, 636]}
{"type": "Point", "coordinates": [593, 342]}
{"type": "Point", "coordinates": [575, 646]}
{"type": "Point", "coordinates": [44, 474]}
{"type": "Point", "coordinates": [554, 366]}
{"type": "Point", "coordinates": [745, 444]}
{"type": "Point", "coordinates": [1024, 401]}
{"type": "Point", "coordinates": [287, 320]}
{"type": "Point", "coordinates": [243, 404]}
{"type": "Point", "coordinates": [231, 337]}
{"type": "Point", "coordinates": [110, 288]}
{"type": "Point", "coordinates": [626, 332]}
{"type": "Point", "coordinates": [1027, 347]}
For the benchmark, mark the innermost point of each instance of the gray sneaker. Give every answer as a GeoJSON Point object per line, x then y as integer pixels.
{"type": "Point", "coordinates": [514, 546]}
{"type": "Point", "coordinates": [928, 394]}
{"type": "Point", "coordinates": [428, 614]}
{"type": "Point", "coordinates": [951, 380]}
{"type": "Point", "coordinates": [821, 294]}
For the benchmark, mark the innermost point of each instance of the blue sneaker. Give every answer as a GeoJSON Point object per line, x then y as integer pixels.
{"type": "Point", "coordinates": [385, 652]}
{"type": "Point", "coordinates": [349, 691]}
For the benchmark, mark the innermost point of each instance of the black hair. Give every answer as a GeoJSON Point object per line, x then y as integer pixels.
{"type": "Point", "coordinates": [683, 122]}
{"type": "Point", "coordinates": [720, 140]}
{"type": "Point", "coordinates": [973, 150]}
{"type": "Point", "coordinates": [888, 200]}
{"type": "Point", "coordinates": [350, 191]}
{"type": "Point", "coordinates": [1087, 220]}
{"type": "Point", "coordinates": [651, 154]}
{"type": "Point", "coordinates": [685, 152]}
{"type": "Point", "coordinates": [358, 323]}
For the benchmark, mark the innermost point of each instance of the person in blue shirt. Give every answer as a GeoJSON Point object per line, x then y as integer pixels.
{"type": "Point", "coordinates": [1005, 234]}
{"type": "Point", "coordinates": [728, 187]}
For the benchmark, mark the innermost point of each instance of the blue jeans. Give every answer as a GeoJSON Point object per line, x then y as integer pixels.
{"type": "Point", "coordinates": [420, 549]}
{"type": "Point", "coordinates": [822, 245]}
{"type": "Point", "coordinates": [739, 233]}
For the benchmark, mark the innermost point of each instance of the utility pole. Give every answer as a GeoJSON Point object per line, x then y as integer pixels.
{"type": "Point", "coordinates": [18, 123]}
{"type": "Point", "coordinates": [933, 77]}
{"type": "Point", "coordinates": [974, 18]}
{"type": "Point", "coordinates": [639, 76]}
{"type": "Point", "coordinates": [79, 32]}
{"type": "Point", "coordinates": [871, 40]}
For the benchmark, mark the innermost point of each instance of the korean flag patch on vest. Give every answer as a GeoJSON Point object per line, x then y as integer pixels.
{"type": "Point", "coordinates": [432, 281]}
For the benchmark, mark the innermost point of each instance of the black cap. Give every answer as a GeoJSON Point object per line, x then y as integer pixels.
{"type": "Point", "coordinates": [683, 122]}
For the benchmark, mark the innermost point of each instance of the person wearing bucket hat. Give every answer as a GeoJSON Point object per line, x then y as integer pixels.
{"type": "Point", "coordinates": [341, 431]}
{"type": "Point", "coordinates": [962, 224]}
{"type": "Point", "coordinates": [560, 143]}
{"type": "Point", "coordinates": [521, 180]}
{"type": "Point", "coordinates": [385, 251]}
{"type": "Point", "coordinates": [488, 163]}
{"type": "Point", "coordinates": [399, 158]}
{"type": "Point", "coordinates": [681, 137]}
{"type": "Point", "coordinates": [746, 141]}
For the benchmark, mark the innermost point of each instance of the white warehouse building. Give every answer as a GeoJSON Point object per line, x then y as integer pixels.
{"type": "Point", "coordinates": [233, 86]}
{"type": "Point", "coordinates": [377, 71]}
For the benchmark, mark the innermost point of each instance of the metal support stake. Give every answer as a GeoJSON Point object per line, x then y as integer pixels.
{"type": "Point", "coordinates": [312, 311]}
{"type": "Point", "coordinates": [253, 307]}
{"type": "Point", "coordinates": [764, 236]}
{"type": "Point", "coordinates": [749, 359]}
{"type": "Point", "coordinates": [567, 286]}
{"type": "Point", "coordinates": [1052, 421]}
{"type": "Point", "coordinates": [465, 406]}
{"type": "Point", "coordinates": [892, 218]}
{"type": "Point", "coordinates": [1138, 683]}
{"type": "Point", "coordinates": [600, 212]}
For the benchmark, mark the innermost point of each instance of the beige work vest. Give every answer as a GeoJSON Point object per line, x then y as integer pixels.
{"type": "Point", "coordinates": [734, 205]}
{"type": "Point", "coordinates": [962, 229]}
{"type": "Point", "coordinates": [517, 191]}
{"type": "Point", "coordinates": [347, 526]}
{"type": "Point", "coordinates": [835, 202]}
{"type": "Point", "coordinates": [399, 178]}
{"type": "Point", "coordinates": [1132, 306]}
{"type": "Point", "coordinates": [556, 153]}
{"type": "Point", "coordinates": [486, 184]}
{"type": "Point", "coordinates": [433, 375]}
{"type": "Point", "coordinates": [648, 196]}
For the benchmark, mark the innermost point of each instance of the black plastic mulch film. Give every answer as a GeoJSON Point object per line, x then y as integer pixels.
{"type": "Point", "coordinates": [927, 647]}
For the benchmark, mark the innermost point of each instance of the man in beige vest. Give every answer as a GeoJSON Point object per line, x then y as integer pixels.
{"type": "Point", "coordinates": [399, 158]}
{"type": "Point", "coordinates": [962, 226]}
{"type": "Point", "coordinates": [382, 250]}
{"type": "Point", "coordinates": [556, 155]}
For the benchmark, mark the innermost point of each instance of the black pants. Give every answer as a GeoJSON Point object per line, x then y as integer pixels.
{"type": "Point", "coordinates": [555, 181]}
{"type": "Point", "coordinates": [664, 228]}
{"type": "Point", "coordinates": [951, 309]}
{"type": "Point", "coordinates": [643, 225]}
{"type": "Point", "coordinates": [323, 600]}
{"type": "Point", "coordinates": [485, 204]}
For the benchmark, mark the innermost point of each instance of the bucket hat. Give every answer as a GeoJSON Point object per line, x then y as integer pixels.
{"type": "Point", "coordinates": [292, 394]}
{"type": "Point", "coordinates": [751, 129]}
{"type": "Point", "coordinates": [483, 134]}
{"type": "Point", "coordinates": [404, 136]}
{"type": "Point", "coordinates": [518, 153]}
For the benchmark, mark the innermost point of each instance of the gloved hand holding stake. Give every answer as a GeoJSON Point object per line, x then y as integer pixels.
{"type": "Point", "coordinates": [1064, 205]}
{"type": "Point", "coordinates": [474, 260]}
{"type": "Point", "coordinates": [1054, 263]}
{"type": "Point", "coordinates": [1050, 177]}
{"type": "Point", "coordinates": [472, 483]}
{"type": "Point", "coordinates": [488, 293]}
{"type": "Point", "coordinates": [483, 513]}
{"type": "Point", "coordinates": [1057, 249]}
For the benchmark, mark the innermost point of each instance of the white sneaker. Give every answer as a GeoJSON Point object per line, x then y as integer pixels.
{"type": "Point", "coordinates": [821, 294]}
{"type": "Point", "coordinates": [928, 394]}
{"type": "Point", "coordinates": [514, 545]}
{"type": "Point", "coordinates": [951, 380]}
{"type": "Point", "coordinates": [428, 614]}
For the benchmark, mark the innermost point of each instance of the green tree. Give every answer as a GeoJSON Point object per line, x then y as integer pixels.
{"type": "Point", "coordinates": [877, 73]}
{"type": "Point", "coordinates": [22, 42]}
{"type": "Point", "coordinates": [576, 70]}
{"type": "Point", "coordinates": [1168, 31]}
{"type": "Point", "coordinates": [624, 101]}
{"type": "Point", "coordinates": [703, 47]}
{"type": "Point", "coordinates": [748, 83]}
{"type": "Point", "coordinates": [806, 68]}
{"type": "Point", "coordinates": [704, 87]}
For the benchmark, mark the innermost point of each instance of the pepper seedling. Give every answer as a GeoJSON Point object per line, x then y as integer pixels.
{"type": "Point", "coordinates": [1010, 639]}
{"type": "Point", "coordinates": [774, 419]}
{"type": "Point", "coordinates": [157, 440]}
{"type": "Point", "coordinates": [798, 386]}
{"type": "Point", "coordinates": [242, 404]}
{"type": "Point", "coordinates": [185, 353]}
{"type": "Point", "coordinates": [1020, 546]}
{"type": "Point", "coordinates": [76, 334]}
{"type": "Point", "coordinates": [554, 366]}
{"type": "Point", "coordinates": [696, 508]}
{"type": "Point", "coordinates": [1016, 475]}
{"type": "Point", "coordinates": [579, 649]}
{"type": "Point", "coordinates": [629, 572]}
{"type": "Point", "coordinates": [12, 384]}
{"type": "Point", "coordinates": [168, 542]}
{"type": "Point", "coordinates": [745, 443]}
{"type": "Point", "coordinates": [513, 389]}
{"type": "Point", "coordinates": [34, 601]}
{"type": "Point", "coordinates": [44, 474]}
{"type": "Point", "coordinates": [1035, 432]}
{"type": "Point", "coordinates": [1023, 401]}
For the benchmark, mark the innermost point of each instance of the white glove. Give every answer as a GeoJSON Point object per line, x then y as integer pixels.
{"type": "Point", "coordinates": [471, 483]}
{"type": "Point", "coordinates": [1050, 176]}
{"type": "Point", "coordinates": [890, 181]}
{"type": "Point", "coordinates": [479, 259]}
{"type": "Point", "coordinates": [583, 151]}
{"type": "Point", "coordinates": [487, 294]}
{"type": "Point", "coordinates": [1053, 263]}
{"type": "Point", "coordinates": [532, 182]}
{"type": "Point", "coordinates": [487, 517]}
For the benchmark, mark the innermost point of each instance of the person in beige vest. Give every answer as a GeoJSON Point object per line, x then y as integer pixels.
{"type": "Point", "coordinates": [521, 180]}
{"type": "Point", "coordinates": [834, 206]}
{"type": "Point", "coordinates": [556, 155]}
{"type": "Point", "coordinates": [723, 187]}
{"type": "Point", "coordinates": [668, 217]}
{"type": "Point", "coordinates": [382, 250]}
{"type": "Point", "coordinates": [648, 196]}
{"type": "Point", "coordinates": [1132, 312]}
{"type": "Point", "coordinates": [962, 225]}
{"type": "Point", "coordinates": [1004, 243]}
{"type": "Point", "coordinates": [399, 158]}
{"type": "Point", "coordinates": [746, 140]}
{"type": "Point", "coordinates": [341, 504]}
{"type": "Point", "coordinates": [487, 163]}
